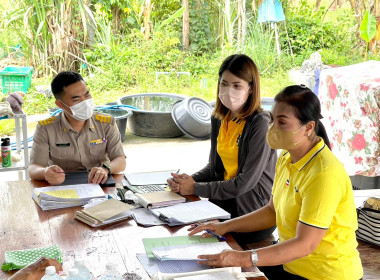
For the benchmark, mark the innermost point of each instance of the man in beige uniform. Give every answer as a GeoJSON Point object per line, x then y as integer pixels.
{"type": "Point", "coordinates": [77, 138]}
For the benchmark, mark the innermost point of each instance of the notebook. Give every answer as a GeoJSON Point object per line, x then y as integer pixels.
{"type": "Point", "coordinates": [180, 214]}
{"type": "Point", "coordinates": [107, 212]}
{"type": "Point", "coordinates": [81, 177]}
{"type": "Point", "coordinates": [159, 199]}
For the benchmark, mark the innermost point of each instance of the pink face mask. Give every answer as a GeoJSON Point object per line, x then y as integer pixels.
{"type": "Point", "coordinates": [232, 98]}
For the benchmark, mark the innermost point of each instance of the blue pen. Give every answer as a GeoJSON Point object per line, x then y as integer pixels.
{"type": "Point", "coordinates": [214, 234]}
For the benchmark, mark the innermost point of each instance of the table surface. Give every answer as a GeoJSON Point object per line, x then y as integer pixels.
{"type": "Point", "coordinates": [24, 225]}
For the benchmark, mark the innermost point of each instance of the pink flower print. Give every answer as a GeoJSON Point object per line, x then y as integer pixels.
{"type": "Point", "coordinates": [358, 143]}
{"type": "Point", "coordinates": [374, 139]}
{"type": "Point", "coordinates": [364, 87]}
{"type": "Point", "coordinates": [333, 91]}
{"type": "Point", "coordinates": [363, 111]}
{"type": "Point", "coordinates": [358, 160]}
{"type": "Point", "coordinates": [377, 80]}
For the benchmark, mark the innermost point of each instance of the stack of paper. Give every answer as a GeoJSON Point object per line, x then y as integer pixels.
{"type": "Point", "coordinates": [180, 214]}
{"type": "Point", "coordinates": [104, 213]}
{"type": "Point", "coordinates": [66, 196]}
{"type": "Point", "coordinates": [189, 252]}
{"type": "Point", "coordinates": [178, 254]}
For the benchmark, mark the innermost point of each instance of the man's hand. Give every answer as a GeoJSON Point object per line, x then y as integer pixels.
{"type": "Point", "coordinates": [227, 258]}
{"type": "Point", "coordinates": [54, 175]}
{"type": "Point", "coordinates": [182, 183]}
{"type": "Point", "coordinates": [98, 175]}
{"type": "Point", "coordinates": [36, 270]}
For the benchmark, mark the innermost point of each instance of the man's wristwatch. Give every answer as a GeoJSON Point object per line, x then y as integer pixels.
{"type": "Point", "coordinates": [106, 166]}
{"type": "Point", "coordinates": [254, 257]}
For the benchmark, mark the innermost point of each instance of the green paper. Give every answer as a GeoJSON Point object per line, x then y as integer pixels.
{"type": "Point", "coordinates": [150, 243]}
{"type": "Point", "coordinates": [22, 258]}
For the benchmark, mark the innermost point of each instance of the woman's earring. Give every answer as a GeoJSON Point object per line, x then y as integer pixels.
{"type": "Point", "coordinates": [308, 135]}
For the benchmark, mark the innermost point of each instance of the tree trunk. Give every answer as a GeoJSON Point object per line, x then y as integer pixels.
{"type": "Point", "coordinates": [185, 26]}
{"type": "Point", "coordinates": [229, 24]}
{"type": "Point", "coordinates": [147, 13]}
{"type": "Point", "coordinates": [243, 22]}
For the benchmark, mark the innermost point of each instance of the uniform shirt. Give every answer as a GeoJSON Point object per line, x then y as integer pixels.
{"type": "Point", "coordinates": [317, 191]}
{"type": "Point", "coordinates": [228, 145]}
{"type": "Point", "coordinates": [56, 142]}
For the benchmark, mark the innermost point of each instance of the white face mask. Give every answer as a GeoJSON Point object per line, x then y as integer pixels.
{"type": "Point", "coordinates": [232, 98]}
{"type": "Point", "coordinates": [83, 110]}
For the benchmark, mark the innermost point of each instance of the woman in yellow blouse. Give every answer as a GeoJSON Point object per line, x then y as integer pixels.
{"type": "Point", "coordinates": [312, 202]}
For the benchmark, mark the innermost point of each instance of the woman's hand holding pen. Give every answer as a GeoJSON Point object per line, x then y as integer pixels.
{"type": "Point", "coordinates": [54, 175]}
{"type": "Point", "coordinates": [182, 183]}
{"type": "Point", "coordinates": [215, 227]}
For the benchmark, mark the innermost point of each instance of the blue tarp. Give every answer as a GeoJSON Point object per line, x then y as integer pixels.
{"type": "Point", "coordinates": [270, 11]}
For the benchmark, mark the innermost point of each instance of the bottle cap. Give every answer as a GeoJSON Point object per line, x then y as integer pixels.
{"type": "Point", "coordinates": [5, 142]}
{"type": "Point", "coordinates": [73, 272]}
{"type": "Point", "coordinates": [50, 270]}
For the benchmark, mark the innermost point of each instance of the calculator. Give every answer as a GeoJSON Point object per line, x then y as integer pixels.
{"type": "Point", "coordinates": [146, 188]}
{"type": "Point", "coordinates": [143, 188]}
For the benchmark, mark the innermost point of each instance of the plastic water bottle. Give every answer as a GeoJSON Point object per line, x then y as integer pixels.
{"type": "Point", "coordinates": [111, 273]}
{"type": "Point", "coordinates": [51, 274]}
{"type": "Point", "coordinates": [73, 274]}
{"type": "Point", "coordinates": [83, 272]}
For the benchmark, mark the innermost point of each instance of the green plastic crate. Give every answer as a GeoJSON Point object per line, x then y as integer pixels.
{"type": "Point", "coordinates": [16, 79]}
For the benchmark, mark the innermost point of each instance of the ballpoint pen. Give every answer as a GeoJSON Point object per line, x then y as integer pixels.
{"type": "Point", "coordinates": [214, 234]}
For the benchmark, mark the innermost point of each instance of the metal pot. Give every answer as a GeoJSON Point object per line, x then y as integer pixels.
{"type": "Point", "coordinates": [193, 117]}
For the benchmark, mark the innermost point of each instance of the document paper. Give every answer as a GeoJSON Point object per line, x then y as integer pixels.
{"type": "Point", "coordinates": [189, 252]}
{"type": "Point", "coordinates": [150, 243]}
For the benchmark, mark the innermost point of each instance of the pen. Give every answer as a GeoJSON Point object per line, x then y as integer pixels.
{"type": "Point", "coordinates": [214, 234]}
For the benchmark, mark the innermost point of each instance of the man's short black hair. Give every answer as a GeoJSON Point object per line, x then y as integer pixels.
{"type": "Point", "coordinates": [62, 80]}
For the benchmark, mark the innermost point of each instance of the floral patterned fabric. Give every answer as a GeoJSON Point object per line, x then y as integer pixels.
{"type": "Point", "coordinates": [350, 101]}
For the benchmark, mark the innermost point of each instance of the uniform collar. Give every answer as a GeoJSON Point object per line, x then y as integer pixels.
{"type": "Point", "coordinates": [310, 155]}
{"type": "Point", "coordinates": [66, 126]}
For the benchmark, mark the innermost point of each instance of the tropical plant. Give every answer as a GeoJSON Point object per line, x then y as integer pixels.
{"type": "Point", "coordinates": [52, 33]}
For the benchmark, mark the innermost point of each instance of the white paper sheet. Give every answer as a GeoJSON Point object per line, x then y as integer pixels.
{"type": "Point", "coordinates": [225, 275]}
{"type": "Point", "coordinates": [189, 251]}
{"type": "Point", "coordinates": [152, 265]}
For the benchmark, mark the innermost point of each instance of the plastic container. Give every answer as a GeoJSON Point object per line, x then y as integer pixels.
{"type": "Point", "coordinates": [83, 272]}
{"type": "Point", "coordinates": [51, 274]}
{"type": "Point", "coordinates": [16, 79]}
{"type": "Point", "coordinates": [73, 274]}
{"type": "Point", "coordinates": [111, 273]}
{"type": "Point", "coordinates": [121, 115]}
{"type": "Point", "coordinates": [6, 159]}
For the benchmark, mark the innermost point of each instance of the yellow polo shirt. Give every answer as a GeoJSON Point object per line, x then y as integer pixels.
{"type": "Point", "coordinates": [228, 145]}
{"type": "Point", "coordinates": [317, 191]}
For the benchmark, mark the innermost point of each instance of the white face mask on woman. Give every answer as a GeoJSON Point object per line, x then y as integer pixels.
{"type": "Point", "coordinates": [233, 99]}
{"type": "Point", "coordinates": [83, 110]}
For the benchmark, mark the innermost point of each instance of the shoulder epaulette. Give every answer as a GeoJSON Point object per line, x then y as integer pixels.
{"type": "Point", "coordinates": [103, 118]}
{"type": "Point", "coordinates": [47, 121]}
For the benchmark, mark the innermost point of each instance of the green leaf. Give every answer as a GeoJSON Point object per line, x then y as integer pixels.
{"type": "Point", "coordinates": [368, 27]}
